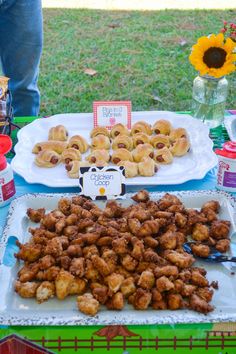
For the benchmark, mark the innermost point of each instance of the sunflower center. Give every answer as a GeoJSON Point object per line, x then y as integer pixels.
{"type": "Point", "coordinates": [214, 57]}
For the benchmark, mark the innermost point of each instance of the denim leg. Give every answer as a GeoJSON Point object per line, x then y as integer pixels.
{"type": "Point", "coordinates": [21, 38]}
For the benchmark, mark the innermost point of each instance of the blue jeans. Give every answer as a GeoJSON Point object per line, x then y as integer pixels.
{"type": "Point", "coordinates": [21, 39]}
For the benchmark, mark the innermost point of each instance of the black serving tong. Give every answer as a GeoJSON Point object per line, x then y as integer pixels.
{"type": "Point", "coordinates": [214, 257]}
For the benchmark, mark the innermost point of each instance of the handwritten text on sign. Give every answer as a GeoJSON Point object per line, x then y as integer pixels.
{"type": "Point", "coordinates": [109, 113]}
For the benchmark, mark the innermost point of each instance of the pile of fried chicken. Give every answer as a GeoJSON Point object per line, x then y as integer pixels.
{"type": "Point", "coordinates": [117, 254]}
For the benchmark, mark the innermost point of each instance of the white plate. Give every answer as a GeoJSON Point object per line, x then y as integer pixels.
{"type": "Point", "coordinates": [194, 165]}
{"type": "Point", "coordinates": [15, 310]}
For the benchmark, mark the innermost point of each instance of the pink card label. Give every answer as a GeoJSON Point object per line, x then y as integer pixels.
{"type": "Point", "coordinates": [8, 190]}
{"type": "Point", "coordinates": [109, 113]}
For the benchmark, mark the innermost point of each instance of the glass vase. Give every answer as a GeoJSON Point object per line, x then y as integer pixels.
{"type": "Point", "coordinates": [209, 100]}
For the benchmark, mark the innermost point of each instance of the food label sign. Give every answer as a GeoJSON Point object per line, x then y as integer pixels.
{"type": "Point", "coordinates": [109, 113]}
{"type": "Point", "coordinates": [102, 182]}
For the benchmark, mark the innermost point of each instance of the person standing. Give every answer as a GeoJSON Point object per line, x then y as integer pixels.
{"type": "Point", "coordinates": [21, 41]}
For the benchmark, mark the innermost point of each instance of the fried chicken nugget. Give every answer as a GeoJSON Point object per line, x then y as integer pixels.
{"type": "Point", "coordinates": [146, 280]}
{"type": "Point", "coordinates": [205, 293]}
{"type": "Point", "coordinates": [141, 196]}
{"type": "Point", "coordinates": [100, 292]}
{"type": "Point", "coordinates": [141, 299]}
{"type": "Point", "coordinates": [100, 265]}
{"type": "Point", "coordinates": [150, 242]}
{"type": "Point", "coordinates": [168, 200]}
{"type": "Point", "coordinates": [149, 227]}
{"type": "Point", "coordinates": [28, 272]}
{"type": "Point", "coordinates": [174, 301]}
{"type": "Point", "coordinates": [36, 215]}
{"type": "Point", "coordinates": [28, 252]}
{"type": "Point", "coordinates": [114, 281]}
{"type": "Point", "coordinates": [188, 290]}
{"type": "Point", "coordinates": [156, 295]}
{"type": "Point", "coordinates": [129, 263]}
{"type": "Point", "coordinates": [212, 205]}
{"type": "Point", "coordinates": [181, 260]}
{"type": "Point", "coordinates": [134, 225]}
{"type": "Point", "coordinates": [159, 305]}
{"type": "Point", "coordinates": [223, 245]}
{"type": "Point", "coordinates": [87, 304]}
{"type": "Point", "coordinates": [49, 274]}
{"type": "Point", "coordinates": [64, 205]}
{"type": "Point", "coordinates": [138, 248]}
{"type": "Point", "coordinates": [91, 273]}
{"type": "Point", "coordinates": [200, 232]}
{"type": "Point", "coordinates": [120, 246]}
{"type": "Point", "coordinates": [77, 267]}
{"type": "Point", "coordinates": [74, 251]}
{"type": "Point", "coordinates": [26, 290]}
{"type": "Point", "coordinates": [200, 305]}
{"type": "Point", "coordinates": [54, 247]}
{"type": "Point", "coordinates": [128, 287]}
{"type": "Point", "coordinates": [220, 229]}
{"type": "Point", "coordinates": [63, 282]}
{"type": "Point", "coordinates": [164, 284]}
{"type": "Point", "coordinates": [168, 270]}
{"type": "Point", "coordinates": [152, 257]}
{"type": "Point", "coordinates": [45, 291]}
{"type": "Point", "coordinates": [198, 279]}
{"type": "Point", "coordinates": [60, 225]}
{"type": "Point", "coordinates": [168, 240]}
{"type": "Point", "coordinates": [77, 286]}
{"type": "Point", "coordinates": [180, 220]}
{"type": "Point", "coordinates": [116, 302]}
{"type": "Point", "coordinates": [200, 250]}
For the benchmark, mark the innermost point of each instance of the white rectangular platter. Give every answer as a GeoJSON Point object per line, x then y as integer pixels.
{"type": "Point", "coordinates": [15, 310]}
{"type": "Point", "coordinates": [194, 165]}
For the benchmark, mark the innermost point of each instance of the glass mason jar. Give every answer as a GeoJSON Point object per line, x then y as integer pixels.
{"type": "Point", "coordinates": [209, 100]}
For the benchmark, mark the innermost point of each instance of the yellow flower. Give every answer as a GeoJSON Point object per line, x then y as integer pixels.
{"type": "Point", "coordinates": [213, 56]}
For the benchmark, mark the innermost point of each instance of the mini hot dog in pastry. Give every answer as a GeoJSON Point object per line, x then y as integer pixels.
{"type": "Point", "coordinates": [122, 141]}
{"type": "Point", "coordinates": [121, 155]}
{"type": "Point", "coordinates": [178, 133]}
{"type": "Point", "coordinates": [131, 168]}
{"type": "Point", "coordinates": [98, 155]}
{"type": "Point", "coordinates": [180, 147]}
{"type": "Point", "coordinates": [79, 143]}
{"type": "Point", "coordinates": [71, 154]}
{"type": "Point", "coordinates": [47, 158]}
{"type": "Point", "coordinates": [99, 131]}
{"type": "Point", "coordinates": [141, 127]}
{"type": "Point", "coordinates": [100, 142]}
{"type": "Point", "coordinates": [57, 146]}
{"type": "Point", "coordinates": [72, 168]}
{"type": "Point", "coordinates": [162, 126]}
{"type": "Point", "coordinates": [141, 151]}
{"type": "Point", "coordinates": [147, 167]}
{"type": "Point", "coordinates": [160, 141]}
{"type": "Point", "coordinates": [119, 129]}
{"type": "Point", "coordinates": [58, 133]}
{"type": "Point", "coordinates": [163, 156]}
{"type": "Point", "coordinates": [140, 138]}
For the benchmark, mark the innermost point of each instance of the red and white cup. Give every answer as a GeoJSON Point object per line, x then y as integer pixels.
{"type": "Point", "coordinates": [226, 174]}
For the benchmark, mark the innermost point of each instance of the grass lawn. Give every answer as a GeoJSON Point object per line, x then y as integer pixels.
{"type": "Point", "coordinates": [140, 56]}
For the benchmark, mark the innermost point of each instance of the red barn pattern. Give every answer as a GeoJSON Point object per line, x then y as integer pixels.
{"type": "Point", "coordinates": [16, 345]}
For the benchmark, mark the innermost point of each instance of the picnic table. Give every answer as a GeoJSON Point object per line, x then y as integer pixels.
{"type": "Point", "coordinates": [207, 337]}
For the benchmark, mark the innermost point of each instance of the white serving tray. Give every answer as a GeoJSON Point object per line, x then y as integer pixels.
{"type": "Point", "coordinates": [15, 310]}
{"type": "Point", "coordinates": [194, 165]}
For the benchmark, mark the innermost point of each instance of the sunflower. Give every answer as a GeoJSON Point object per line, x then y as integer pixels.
{"type": "Point", "coordinates": [213, 55]}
